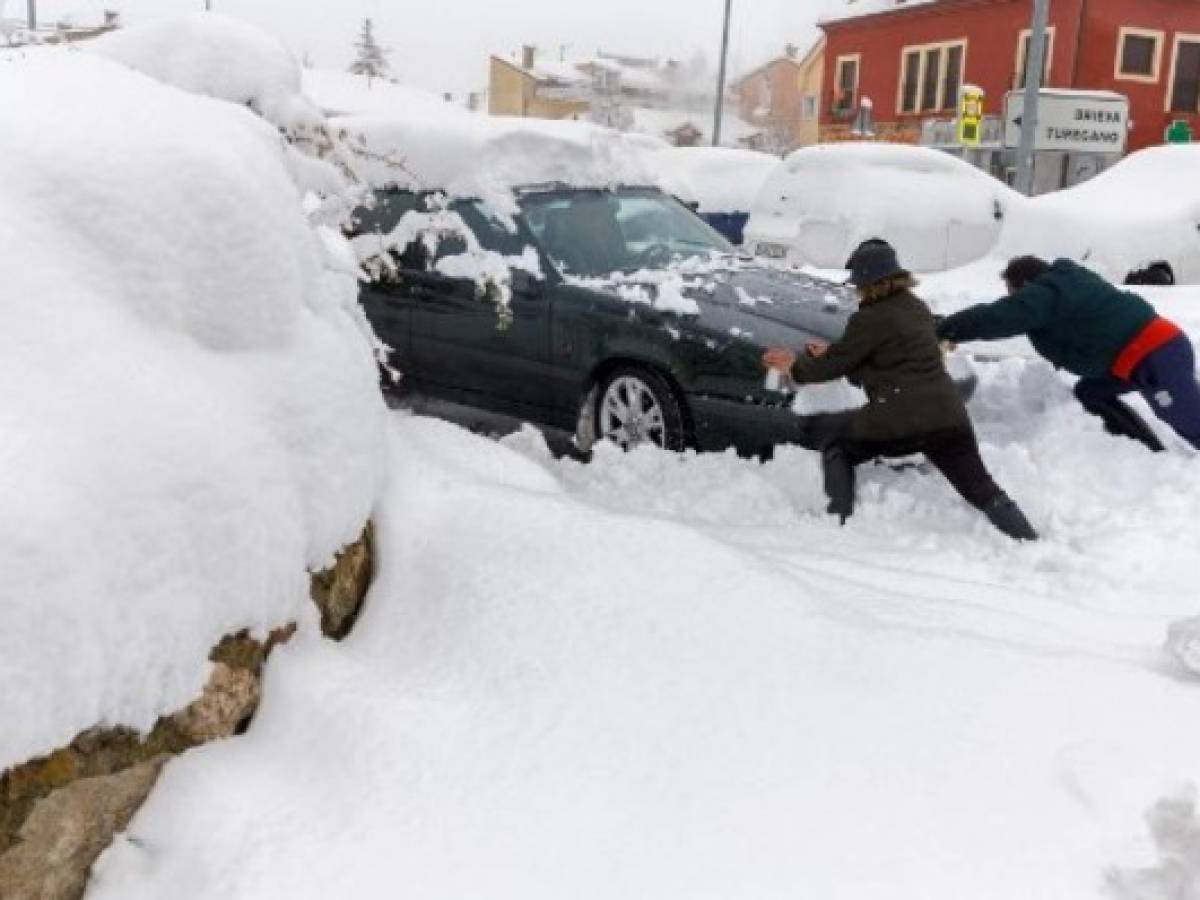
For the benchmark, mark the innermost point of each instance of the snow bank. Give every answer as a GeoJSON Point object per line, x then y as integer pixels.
{"type": "Point", "coordinates": [1144, 209]}
{"type": "Point", "coordinates": [938, 211]}
{"type": "Point", "coordinates": [192, 420]}
{"type": "Point", "coordinates": [487, 158]}
{"type": "Point", "coordinates": [206, 53]}
{"type": "Point", "coordinates": [720, 180]}
{"type": "Point", "coordinates": [342, 93]}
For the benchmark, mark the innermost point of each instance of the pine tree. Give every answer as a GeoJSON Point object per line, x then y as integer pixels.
{"type": "Point", "coordinates": [371, 59]}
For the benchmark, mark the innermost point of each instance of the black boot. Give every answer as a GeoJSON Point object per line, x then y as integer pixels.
{"type": "Point", "coordinates": [839, 482]}
{"type": "Point", "coordinates": [1008, 518]}
{"type": "Point", "coordinates": [1120, 420]}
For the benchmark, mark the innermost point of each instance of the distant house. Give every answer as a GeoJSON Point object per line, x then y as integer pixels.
{"type": "Point", "coordinates": [666, 99]}
{"type": "Point", "coordinates": [782, 99]}
{"type": "Point", "coordinates": [910, 57]}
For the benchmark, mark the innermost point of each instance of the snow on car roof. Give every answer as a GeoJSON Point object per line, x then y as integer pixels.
{"type": "Point", "coordinates": [489, 157]}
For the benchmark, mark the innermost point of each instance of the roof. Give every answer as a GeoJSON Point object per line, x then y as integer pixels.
{"type": "Point", "coordinates": [799, 62]}
{"type": "Point", "coordinates": [861, 9]}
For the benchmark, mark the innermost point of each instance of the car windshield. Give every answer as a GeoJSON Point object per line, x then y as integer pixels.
{"type": "Point", "coordinates": [594, 232]}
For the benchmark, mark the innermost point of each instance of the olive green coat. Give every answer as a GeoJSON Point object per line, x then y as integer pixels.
{"type": "Point", "coordinates": [890, 349]}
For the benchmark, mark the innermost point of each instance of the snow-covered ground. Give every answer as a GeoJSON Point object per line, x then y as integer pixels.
{"type": "Point", "coordinates": [659, 676]}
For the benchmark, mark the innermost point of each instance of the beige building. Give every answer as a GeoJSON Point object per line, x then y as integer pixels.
{"type": "Point", "coordinates": [539, 92]}
{"type": "Point", "coordinates": [782, 99]}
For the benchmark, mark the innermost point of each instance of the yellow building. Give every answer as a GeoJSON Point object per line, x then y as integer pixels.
{"type": "Point", "coordinates": [537, 92]}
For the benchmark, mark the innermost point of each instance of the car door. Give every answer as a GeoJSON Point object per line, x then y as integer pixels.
{"type": "Point", "coordinates": [464, 347]}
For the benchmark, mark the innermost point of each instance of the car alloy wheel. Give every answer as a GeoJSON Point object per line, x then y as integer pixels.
{"type": "Point", "coordinates": [637, 407]}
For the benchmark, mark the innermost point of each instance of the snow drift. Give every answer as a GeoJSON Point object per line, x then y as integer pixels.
{"type": "Point", "coordinates": [192, 419]}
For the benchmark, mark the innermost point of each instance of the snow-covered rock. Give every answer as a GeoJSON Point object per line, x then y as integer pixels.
{"type": "Point", "coordinates": [192, 420]}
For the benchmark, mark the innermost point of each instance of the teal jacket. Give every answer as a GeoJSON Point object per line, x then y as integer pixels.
{"type": "Point", "coordinates": [1073, 317]}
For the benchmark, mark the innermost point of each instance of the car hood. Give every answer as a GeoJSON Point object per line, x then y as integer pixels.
{"type": "Point", "coordinates": [771, 304]}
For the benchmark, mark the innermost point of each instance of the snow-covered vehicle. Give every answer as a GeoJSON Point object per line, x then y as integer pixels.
{"type": "Point", "coordinates": [1143, 213]}
{"type": "Point", "coordinates": [936, 210]}
{"type": "Point", "coordinates": [629, 318]}
{"type": "Point", "coordinates": [720, 183]}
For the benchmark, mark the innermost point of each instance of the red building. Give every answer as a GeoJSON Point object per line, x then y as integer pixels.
{"type": "Point", "coordinates": [911, 57]}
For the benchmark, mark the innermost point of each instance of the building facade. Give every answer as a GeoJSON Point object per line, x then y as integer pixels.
{"type": "Point", "coordinates": [782, 99]}
{"type": "Point", "coordinates": [909, 59]}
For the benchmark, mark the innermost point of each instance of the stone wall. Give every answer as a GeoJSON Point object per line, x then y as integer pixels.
{"type": "Point", "coordinates": [59, 812]}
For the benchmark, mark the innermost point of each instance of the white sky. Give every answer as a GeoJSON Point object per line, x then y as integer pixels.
{"type": "Point", "coordinates": [443, 45]}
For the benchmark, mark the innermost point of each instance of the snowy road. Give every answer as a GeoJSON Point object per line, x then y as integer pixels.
{"type": "Point", "coordinates": [658, 676]}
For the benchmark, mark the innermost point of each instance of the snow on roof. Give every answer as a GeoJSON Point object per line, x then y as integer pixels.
{"type": "Point", "coordinates": [719, 179]}
{"type": "Point", "coordinates": [488, 157]}
{"type": "Point", "coordinates": [206, 53]}
{"type": "Point", "coordinates": [342, 93]}
{"type": "Point", "coordinates": [661, 122]}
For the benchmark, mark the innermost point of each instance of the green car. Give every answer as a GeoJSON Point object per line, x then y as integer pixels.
{"type": "Point", "coordinates": [631, 320]}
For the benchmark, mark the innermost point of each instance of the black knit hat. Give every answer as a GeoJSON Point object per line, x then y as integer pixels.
{"type": "Point", "coordinates": [872, 262]}
{"type": "Point", "coordinates": [1024, 269]}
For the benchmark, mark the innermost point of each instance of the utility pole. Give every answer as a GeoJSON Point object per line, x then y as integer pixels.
{"type": "Point", "coordinates": [1035, 64]}
{"type": "Point", "coordinates": [720, 104]}
{"type": "Point", "coordinates": [32, 7]}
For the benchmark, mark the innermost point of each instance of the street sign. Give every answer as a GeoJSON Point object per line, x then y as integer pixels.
{"type": "Point", "coordinates": [1071, 121]}
{"type": "Point", "coordinates": [970, 116]}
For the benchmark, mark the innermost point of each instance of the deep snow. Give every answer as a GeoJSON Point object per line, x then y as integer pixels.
{"type": "Point", "coordinates": [191, 419]}
{"type": "Point", "coordinates": [659, 676]}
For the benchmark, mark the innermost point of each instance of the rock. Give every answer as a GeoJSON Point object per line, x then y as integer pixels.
{"type": "Point", "coordinates": [339, 591]}
{"type": "Point", "coordinates": [229, 699]}
{"type": "Point", "coordinates": [67, 830]}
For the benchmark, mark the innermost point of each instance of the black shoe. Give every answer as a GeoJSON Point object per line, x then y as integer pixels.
{"type": "Point", "coordinates": [839, 483]}
{"type": "Point", "coordinates": [1008, 518]}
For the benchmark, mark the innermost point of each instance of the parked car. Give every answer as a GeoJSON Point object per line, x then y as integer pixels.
{"type": "Point", "coordinates": [720, 183]}
{"type": "Point", "coordinates": [1138, 222]}
{"type": "Point", "coordinates": [936, 210]}
{"type": "Point", "coordinates": [630, 318]}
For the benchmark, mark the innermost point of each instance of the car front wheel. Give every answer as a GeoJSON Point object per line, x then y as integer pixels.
{"type": "Point", "coordinates": [636, 405]}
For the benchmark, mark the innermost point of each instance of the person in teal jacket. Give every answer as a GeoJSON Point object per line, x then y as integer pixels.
{"type": "Point", "coordinates": [1112, 339]}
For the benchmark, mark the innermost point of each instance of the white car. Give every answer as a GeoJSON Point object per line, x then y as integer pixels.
{"type": "Point", "coordinates": [1144, 212]}
{"type": "Point", "coordinates": [936, 210]}
{"type": "Point", "coordinates": [722, 183]}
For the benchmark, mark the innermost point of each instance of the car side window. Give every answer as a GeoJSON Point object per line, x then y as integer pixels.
{"type": "Point", "coordinates": [384, 215]}
{"type": "Point", "coordinates": [490, 229]}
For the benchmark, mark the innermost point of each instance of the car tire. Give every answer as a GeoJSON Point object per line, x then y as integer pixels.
{"type": "Point", "coordinates": [636, 405]}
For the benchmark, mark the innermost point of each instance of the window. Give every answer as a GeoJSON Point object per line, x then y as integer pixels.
{"type": "Point", "coordinates": [808, 108]}
{"type": "Point", "coordinates": [931, 76]}
{"type": "Point", "coordinates": [1184, 95]}
{"type": "Point", "coordinates": [1139, 55]}
{"type": "Point", "coordinates": [846, 91]}
{"type": "Point", "coordinates": [1023, 58]}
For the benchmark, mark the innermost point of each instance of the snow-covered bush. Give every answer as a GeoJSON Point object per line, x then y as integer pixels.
{"type": "Point", "coordinates": [192, 420]}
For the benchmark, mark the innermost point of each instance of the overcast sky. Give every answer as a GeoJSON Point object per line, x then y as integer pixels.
{"type": "Point", "coordinates": [443, 45]}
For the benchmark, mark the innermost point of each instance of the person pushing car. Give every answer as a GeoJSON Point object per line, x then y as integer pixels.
{"type": "Point", "coordinates": [890, 349]}
{"type": "Point", "coordinates": [1112, 339]}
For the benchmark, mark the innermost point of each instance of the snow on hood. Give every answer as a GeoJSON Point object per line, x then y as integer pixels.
{"type": "Point", "coordinates": [489, 157]}
{"type": "Point", "coordinates": [1145, 208]}
{"type": "Point", "coordinates": [719, 179]}
{"type": "Point", "coordinates": [207, 53]}
{"type": "Point", "coordinates": [193, 420]}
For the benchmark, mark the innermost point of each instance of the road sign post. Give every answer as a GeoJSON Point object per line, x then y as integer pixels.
{"type": "Point", "coordinates": [1035, 61]}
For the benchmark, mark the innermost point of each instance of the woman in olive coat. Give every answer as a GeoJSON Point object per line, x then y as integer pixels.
{"type": "Point", "coordinates": [890, 349]}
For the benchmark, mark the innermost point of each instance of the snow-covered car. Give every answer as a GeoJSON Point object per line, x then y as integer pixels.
{"type": "Point", "coordinates": [936, 210]}
{"type": "Point", "coordinates": [629, 317]}
{"type": "Point", "coordinates": [720, 183]}
{"type": "Point", "coordinates": [1142, 212]}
